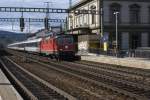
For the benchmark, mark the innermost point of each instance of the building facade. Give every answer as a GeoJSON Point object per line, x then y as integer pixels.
{"type": "Point", "coordinates": [133, 24]}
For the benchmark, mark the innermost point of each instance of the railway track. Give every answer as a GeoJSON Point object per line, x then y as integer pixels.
{"type": "Point", "coordinates": [134, 90]}
{"type": "Point", "coordinates": [31, 86]}
{"type": "Point", "coordinates": [114, 72]}
{"type": "Point", "coordinates": [105, 78]}
{"type": "Point", "coordinates": [136, 71]}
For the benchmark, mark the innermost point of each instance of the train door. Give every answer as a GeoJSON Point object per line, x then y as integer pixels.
{"type": "Point", "coordinates": [75, 40]}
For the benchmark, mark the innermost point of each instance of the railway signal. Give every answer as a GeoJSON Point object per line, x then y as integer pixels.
{"type": "Point", "coordinates": [23, 20]}
{"type": "Point", "coordinates": [22, 24]}
{"type": "Point", "coordinates": [46, 24]}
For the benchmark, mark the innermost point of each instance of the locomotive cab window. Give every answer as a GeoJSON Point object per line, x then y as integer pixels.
{"type": "Point", "coordinates": [60, 41]}
{"type": "Point", "coordinates": [68, 40]}
{"type": "Point", "coordinates": [65, 39]}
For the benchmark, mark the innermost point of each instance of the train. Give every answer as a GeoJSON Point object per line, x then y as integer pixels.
{"type": "Point", "coordinates": [55, 46]}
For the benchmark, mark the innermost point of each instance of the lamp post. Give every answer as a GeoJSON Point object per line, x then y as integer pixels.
{"type": "Point", "coordinates": [116, 15]}
{"type": "Point", "coordinates": [101, 17]}
{"type": "Point", "coordinates": [101, 24]}
{"type": "Point", "coordinates": [71, 22]}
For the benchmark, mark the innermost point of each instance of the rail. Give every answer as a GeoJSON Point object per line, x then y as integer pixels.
{"type": "Point", "coordinates": [29, 79]}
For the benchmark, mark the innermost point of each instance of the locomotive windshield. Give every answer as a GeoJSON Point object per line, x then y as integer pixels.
{"type": "Point", "coordinates": [68, 40]}
{"type": "Point", "coordinates": [65, 40]}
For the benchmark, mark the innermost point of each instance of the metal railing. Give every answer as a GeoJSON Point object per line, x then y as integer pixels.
{"type": "Point", "coordinates": [142, 53]}
{"type": "Point", "coordinates": [122, 53]}
{"type": "Point", "coordinates": [109, 52]}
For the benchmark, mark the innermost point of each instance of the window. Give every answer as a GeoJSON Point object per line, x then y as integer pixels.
{"type": "Point", "coordinates": [84, 17]}
{"type": "Point", "coordinates": [149, 14]}
{"type": "Point", "coordinates": [80, 20]}
{"type": "Point", "coordinates": [115, 7]}
{"type": "Point", "coordinates": [68, 40]}
{"type": "Point", "coordinates": [65, 40]}
{"type": "Point", "coordinates": [149, 39]}
{"type": "Point", "coordinates": [134, 14]}
{"type": "Point", "coordinates": [60, 41]}
{"type": "Point", "coordinates": [93, 16]}
{"type": "Point", "coordinates": [77, 21]}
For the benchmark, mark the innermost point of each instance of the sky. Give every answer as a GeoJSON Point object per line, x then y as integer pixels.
{"type": "Point", "coordinates": [30, 3]}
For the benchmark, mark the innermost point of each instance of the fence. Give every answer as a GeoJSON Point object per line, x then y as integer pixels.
{"type": "Point", "coordinates": [109, 52]}
{"type": "Point", "coordinates": [120, 53]}
{"type": "Point", "coordinates": [142, 52]}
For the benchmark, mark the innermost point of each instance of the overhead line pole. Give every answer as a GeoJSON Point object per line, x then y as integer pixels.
{"type": "Point", "coordinates": [116, 15]}
{"type": "Point", "coordinates": [70, 17]}
{"type": "Point", "coordinates": [70, 3]}
{"type": "Point", "coordinates": [48, 13]}
{"type": "Point", "coordinates": [29, 26]}
{"type": "Point", "coordinates": [101, 24]}
{"type": "Point", "coordinates": [101, 18]}
{"type": "Point", "coordinates": [47, 9]}
{"type": "Point", "coordinates": [22, 9]}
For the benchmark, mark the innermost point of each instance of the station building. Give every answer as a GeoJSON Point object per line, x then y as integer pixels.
{"type": "Point", "coordinates": [133, 24]}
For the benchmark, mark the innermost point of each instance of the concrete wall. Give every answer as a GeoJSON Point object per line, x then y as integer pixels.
{"type": "Point", "coordinates": [82, 20]}
{"type": "Point", "coordinates": [125, 40]}
{"type": "Point", "coordinates": [144, 6]}
{"type": "Point", "coordinates": [144, 40]}
{"type": "Point", "coordinates": [83, 44]}
{"type": "Point", "coordinates": [85, 20]}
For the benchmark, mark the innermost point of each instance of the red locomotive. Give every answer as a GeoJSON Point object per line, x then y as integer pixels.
{"type": "Point", "coordinates": [56, 46]}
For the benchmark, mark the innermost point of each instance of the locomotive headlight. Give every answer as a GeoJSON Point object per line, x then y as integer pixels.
{"type": "Point", "coordinates": [66, 47]}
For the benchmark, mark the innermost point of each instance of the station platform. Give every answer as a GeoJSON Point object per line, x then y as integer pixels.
{"type": "Point", "coordinates": [7, 91]}
{"type": "Point", "coordinates": [143, 63]}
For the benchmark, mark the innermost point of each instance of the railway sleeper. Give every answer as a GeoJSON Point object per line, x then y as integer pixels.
{"type": "Point", "coordinates": [135, 89]}
{"type": "Point", "coordinates": [55, 91]}
{"type": "Point", "coordinates": [121, 68]}
{"type": "Point", "coordinates": [117, 82]}
{"type": "Point", "coordinates": [100, 83]}
{"type": "Point", "coordinates": [107, 78]}
{"type": "Point", "coordinates": [112, 81]}
{"type": "Point", "coordinates": [129, 85]}
{"type": "Point", "coordinates": [147, 93]}
{"type": "Point", "coordinates": [120, 82]}
{"type": "Point", "coordinates": [135, 78]}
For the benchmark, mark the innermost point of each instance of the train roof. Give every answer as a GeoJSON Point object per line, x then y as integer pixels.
{"type": "Point", "coordinates": [63, 35]}
{"type": "Point", "coordinates": [56, 36]}
{"type": "Point", "coordinates": [32, 41]}
{"type": "Point", "coordinates": [27, 41]}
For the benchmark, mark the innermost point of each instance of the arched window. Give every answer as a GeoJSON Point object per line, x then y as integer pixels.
{"type": "Point", "coordinates": [149, 14]}
{"type": "Point", "coordinates": [134, 14]}
{"type": "Point", "coordinates": [84, 16]}
{"type": "Point", "coordinates": [115, 7]}
{"type": "Point", "coordinates": [93, 17]}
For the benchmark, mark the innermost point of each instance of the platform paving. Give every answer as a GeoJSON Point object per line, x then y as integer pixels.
{"type": "Point", "coordinates": [127, 61]}
{"type": "Point", "coordinates": [7, 91]}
